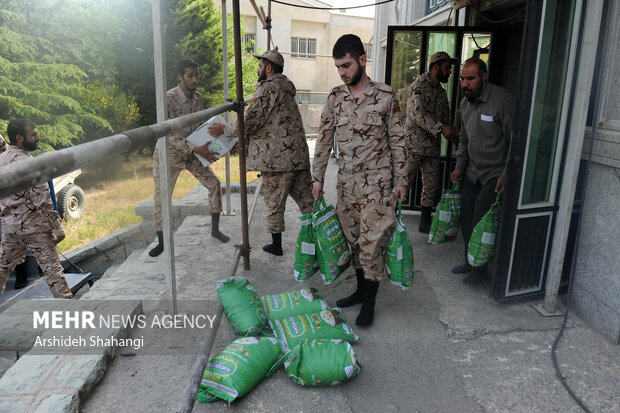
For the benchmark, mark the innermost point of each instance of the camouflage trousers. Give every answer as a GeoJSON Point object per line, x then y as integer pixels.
{"type": "Point", "coordinates": [205, 176]}
{"type": "Point", "coordinates": [430, 169]}
{"type": "Point", "coordinates": [43, 247]}
{"type": "Point", "coordinates": [277, 186]}
{"type": "Point", "coordinates": [366, 212]}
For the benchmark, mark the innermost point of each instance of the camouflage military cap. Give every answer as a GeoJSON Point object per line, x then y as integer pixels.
{"type": "Point", "coordinates": [442, 56]}
{"type": "Point", "coordinates": [273, 56]}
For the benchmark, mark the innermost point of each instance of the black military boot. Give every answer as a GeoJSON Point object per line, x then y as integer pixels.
{"type": "Point", "coordinates": [275, 247]}
{"type": "Point", "coordinates": [358, 295]}
{"type": "Point", "coordinates": [425, 220]}
{"type": "Point", "coordinates": [159, 248]}
{"type": "Point", "coordinates": [215, 227]}
{"type": "Point", "coordinates": [21, 275]}
{"type": "Point", "coordinates": [462, 269]}
{"type": "Point", "coordinates": [476, 275]}
{"type": "Point", "coordinates": [367, 312]}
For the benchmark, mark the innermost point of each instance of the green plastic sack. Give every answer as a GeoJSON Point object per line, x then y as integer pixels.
{"type": "Point", "coordinates": [399, 255]}
{"type": "Point", "coordinates": [306, 262]}
{"type": "Point", "coordinates": [322, 363]}
{"type": "Point", "coordinates": [481, 246]}
{"type": "Point", "coordinates": [243, 307]}
{"type": "Point", "coordinates": [306, 300]}
{"type": "Point", "coordinates": [294, 330]}
{"type": "Point", "coordinates": [332, 248]}
{"type": "Point", "coordinates": [239, 368]}
{"type": "Point", "coordinates": [445, 226]}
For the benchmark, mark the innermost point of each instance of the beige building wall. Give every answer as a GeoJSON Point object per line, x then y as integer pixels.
{"type": "Point", "coordinates": [316, 74]}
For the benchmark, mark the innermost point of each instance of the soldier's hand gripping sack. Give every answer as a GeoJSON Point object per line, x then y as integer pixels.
{"type": "Point", "coordinates": [399, 255]}
{"type": "Point", "coordinates": [481, 246]}
{"type": "Point", "coordinates": [332, 248]}
{"type": "Point", "coordinates": [447, 219]}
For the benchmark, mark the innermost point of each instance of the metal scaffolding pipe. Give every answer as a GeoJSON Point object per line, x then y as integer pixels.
{"type": "Point", "coordinates": [245, 247]}
{"type": "Point", "coordinates": [30, 172]}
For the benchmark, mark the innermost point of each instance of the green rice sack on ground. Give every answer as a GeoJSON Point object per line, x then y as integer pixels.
{"type": "Point", "coordinates": [239, 368]}
{"type": "Point", "coordinates": [294, 330]}
{"type": "Point", "coordinates": [306, 300]}
{"type": "Point", "coordinates": [322, 363]}
{"type": "Point", "coordinates": [243, 307]}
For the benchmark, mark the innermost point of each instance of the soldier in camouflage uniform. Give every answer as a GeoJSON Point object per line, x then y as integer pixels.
{"type": "Point", "coordinates": [183, 100]}
{"type": "Point", "coordinates": [372, 161]}
{"type": "Point", "coordinates": [276, 145]}
{"type": "Point", "coordinates": [29, 221]}
{"type": "Point", "coordinates": [428, 117]}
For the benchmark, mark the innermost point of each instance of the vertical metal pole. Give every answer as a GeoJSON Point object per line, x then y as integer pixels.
{"type": "Point", "coordinates": [225, 73]}
{"type": "Point", "coordinates": [245, 252]}
{"type": "Point", "coordinates": [269, 25]}
{"type": "Point", "coordinates": [164, 164]}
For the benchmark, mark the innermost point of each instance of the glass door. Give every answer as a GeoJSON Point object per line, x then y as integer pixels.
{"type": "Point", "coordinates": [408, 53]}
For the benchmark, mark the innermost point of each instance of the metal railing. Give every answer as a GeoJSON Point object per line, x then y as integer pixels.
{"type": "Point", "coordinates": [25, 174]}
{"type": "Point", "coordinates": [313, 98]}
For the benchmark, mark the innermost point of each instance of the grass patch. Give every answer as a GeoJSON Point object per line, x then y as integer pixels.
{"type": "Point", "coordinates": [113, 191]}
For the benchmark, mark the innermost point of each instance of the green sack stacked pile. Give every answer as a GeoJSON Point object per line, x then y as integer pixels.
{"type": "Point", "coordinates": [306, 300]}
{"type": "Point", "coordinates": [399, 255]}
{"type": "Point", "coordinates": [239, 368]}
{"type": "Point", "coordinates": [243, 307]}
{"type": "Point", "coordinates": [481, 246]}
{"type": "Point", "coordinates": [294, 330]}
{"type": "Point", "coordinates": [322, 363]}
{"type": "Point", "coordinates": [306, 263]}
{"type": "Point", "coordinates": [332, 249]}
{"type": "Point", "coordinates": [445, 226]}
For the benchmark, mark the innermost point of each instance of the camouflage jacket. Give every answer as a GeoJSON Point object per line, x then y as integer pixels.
{"type": "Point", "coordinates": [276, 140]}
{"type": "Point", "coordinates": [369, 132]}
{"type": "Point", "coordinates": [427, 113]}
{"type": "Point", "coordinates": [29, 211]}
{"type": "Point", "coordinates": [180, 105]}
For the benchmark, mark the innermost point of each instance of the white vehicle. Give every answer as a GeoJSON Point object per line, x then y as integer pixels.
{"type": "Point", "coordinates": [69, 196]}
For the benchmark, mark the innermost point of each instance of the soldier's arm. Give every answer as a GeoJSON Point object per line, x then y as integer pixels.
{"type": "Point", "coordinates": [177, 140]}
{"type": "Point", "coordinates": [261, 108]}
{"type": "Point", "coordinates": [423, 116]}
{"type": "Point", "coordinates": [396, 140]}
{"type": "Point", "coordinates": [324, 141]}
{"type": "Point", "coordinates": [41, 199]}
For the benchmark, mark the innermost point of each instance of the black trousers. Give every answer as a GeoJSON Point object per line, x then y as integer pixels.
{"type": "Point", "coordinates": [477, 200]}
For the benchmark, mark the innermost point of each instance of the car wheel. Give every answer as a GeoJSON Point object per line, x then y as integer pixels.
{"type": "Point", "coordinates": [71, 202]}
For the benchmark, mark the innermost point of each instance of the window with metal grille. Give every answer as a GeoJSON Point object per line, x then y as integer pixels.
{"type": "Point", "coordinates": [368, 48]}
{"type": "Point", "coordinates": [303, 45]}
{"type": "Point", "coordinates": [432, 5]}
{"type": "Point", "coordinates": [249, 42]}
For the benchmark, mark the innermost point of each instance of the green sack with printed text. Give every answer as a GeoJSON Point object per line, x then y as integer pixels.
{"type": "Point", "coordinates": [238, 368]}
{"type": "Point", "coordinates": [481, 246]}
{"type": "Point", "coordinates": [294, 330]}
{"type": "Point", "coordinates": [399, 255]}
{"type": "Point", "coordinates": [306, 300]}
{"type": "Point", "coordinates": [306, 262]}
{"type": "Point", "coordinates": [445, 226]}
{"type": "Point", "coordinates": [332, 249]}
{"type": "Point", "coordinates": [323, 362]}
{"type": "Point", "coordinates": [243, 307]}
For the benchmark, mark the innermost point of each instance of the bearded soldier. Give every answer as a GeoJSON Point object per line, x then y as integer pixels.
{"type": "Point", "coordinates": [428, 117]}
{"type": "Point", "coordinates": [29, 220]}
{"type": "Point", "coordinates": [277, 145]}
{"type": "Point", "coordinates": [372, 161]}
{"type": "Point", "coordinates": [183, 100]}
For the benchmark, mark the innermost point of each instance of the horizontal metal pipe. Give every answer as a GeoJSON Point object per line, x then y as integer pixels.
{"type": "Point", "coordinates": [25, 174]}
